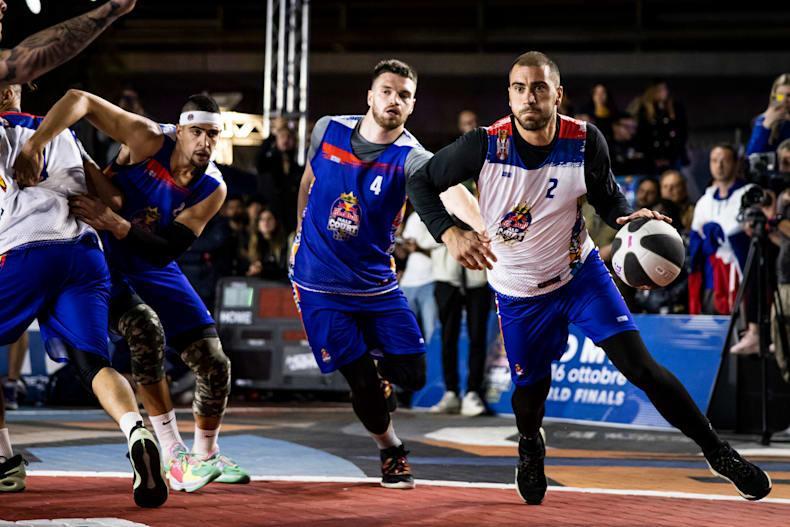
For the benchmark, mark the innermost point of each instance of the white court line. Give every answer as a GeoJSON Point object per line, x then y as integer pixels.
{"type": "Point", "coordinates": [440, 483]}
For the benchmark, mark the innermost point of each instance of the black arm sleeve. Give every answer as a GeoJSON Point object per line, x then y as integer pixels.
{"type": "Point", "coordinates": [161, 249]}
{"type": "Point", "coordinates": [602, 190]}
{"type": "Point", "coordinates": [453, 164]}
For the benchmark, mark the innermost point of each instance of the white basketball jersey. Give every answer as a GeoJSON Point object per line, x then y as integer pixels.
{"type": "Point", "coordinates": [534, 216]}
{"type": "Point", "coordinates": [40, 213]}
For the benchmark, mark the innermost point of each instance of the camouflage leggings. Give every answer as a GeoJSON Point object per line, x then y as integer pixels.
{"type": "Point", "coordinates": [212, 370]}
{"type": "Point", "coordinates": [143, 332]}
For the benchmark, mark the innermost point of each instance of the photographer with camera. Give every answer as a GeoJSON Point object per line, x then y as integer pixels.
{"type": "Point", "coordinates": [783, 261]}
{"type": "Point", "coordinates": [772, 126]}
{"type": "Point", "coordinates": [717, 243]}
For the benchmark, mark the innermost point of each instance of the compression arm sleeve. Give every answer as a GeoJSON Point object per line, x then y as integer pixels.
{"type": "Point", "coordinates": [161, 248]}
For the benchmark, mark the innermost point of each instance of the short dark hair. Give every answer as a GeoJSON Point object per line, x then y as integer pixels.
{"type": "Point", "coordinates": [727, 146]}
{"type": "Point", "coordinates": [200, 103]}
{"type": "Point", "coordinates": [398, 67]}
{"type": "Point", "coordinates": [784, 145]}
{"type": "Point", "coordinates": [536, 58]}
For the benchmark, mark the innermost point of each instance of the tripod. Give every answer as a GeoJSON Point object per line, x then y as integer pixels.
{"type": "Point", "coordinates": [756, 265]}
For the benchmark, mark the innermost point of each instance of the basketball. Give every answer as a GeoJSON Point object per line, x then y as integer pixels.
{"type": "Point", "coordinates": [648, 253]}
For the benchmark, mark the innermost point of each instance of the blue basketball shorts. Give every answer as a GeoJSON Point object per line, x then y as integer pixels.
{"type": "Point", "coordinates": [168, 292]}
{"type": "Point", "coordinates": [535, 329]}
{"type": "Point", "coordinates": [342, 328]}
{"type": "Point", "coordinates": [63, 284]}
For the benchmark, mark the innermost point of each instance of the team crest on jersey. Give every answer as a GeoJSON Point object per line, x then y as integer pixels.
{"type": "Point", "coordinates": [518, 370]}
{"type": "Point", "coordinates": [344, 217]}
{"type": "Point", "coordinates": [146, 218]}
{"type": "Point", "coordinates": [514, 225]}
{"type": "Point", "coordinates": [502, 145]}
{"type": "Point", "coordinates": [3, 184]}
{"type": "Point", "coordinates": [325, 356]}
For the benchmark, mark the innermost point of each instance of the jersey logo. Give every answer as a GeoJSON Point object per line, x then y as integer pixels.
{"type": "Point", "coordinates": [514, 225]}
{"type": "Point", "coordinates": [146, 218]}
{"type": "Point", "coordinates": [344, 217]}
{"type": "Point", "coordinates": [3, 185]}
{"type": "Point", "coordinates": [502, 145]}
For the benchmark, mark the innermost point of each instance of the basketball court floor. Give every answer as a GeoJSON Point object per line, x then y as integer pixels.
{"type": "Point", "coordinates": [313, 465]}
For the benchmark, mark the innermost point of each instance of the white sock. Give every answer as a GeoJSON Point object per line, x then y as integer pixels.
{"type": "Point", "coordinates": [128, 421]}
{"type": "Point", "coordinates": [5, 444]}
{"type": "Point", "coordinates": [205, 441]}
{"type": "Point", "coordinates": [166, 430]}
{"type": "Point", "coordinates": [387, 439]}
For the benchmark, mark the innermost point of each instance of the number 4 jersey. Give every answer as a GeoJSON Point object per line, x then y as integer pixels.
{"type": "Point", "coordinates": [355, 206]}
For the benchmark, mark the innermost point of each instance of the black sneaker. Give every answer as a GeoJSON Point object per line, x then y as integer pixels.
{"type": "Point", "coordinates": [750, 481]}
{"type": "Point", "coordinates": [531, 480]}
{"type": "Point", "coordinates": [395, 469]}
{"type": "Point", "coordinates": [12, 474]}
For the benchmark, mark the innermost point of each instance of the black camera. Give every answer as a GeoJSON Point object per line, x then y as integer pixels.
{"type": "Point", "coordinates": [763, 172]}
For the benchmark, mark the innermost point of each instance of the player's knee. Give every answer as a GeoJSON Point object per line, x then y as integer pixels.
{"type": "Point", "coordinates": [212, 372]}
{"type": "Point", "coordinates": [406, 371]}
{"type": "Point", "coordinates": [362, 377]}
{"type": "Point", "coordinates": [143, 332]}
{"type": "Point", "coordinates": [88, 365]}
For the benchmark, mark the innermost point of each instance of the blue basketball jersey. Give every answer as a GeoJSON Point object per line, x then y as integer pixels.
{"type": "Point", "coordinates": [152, 199]}
{"type": "Point", "coordinates": [354, 208]}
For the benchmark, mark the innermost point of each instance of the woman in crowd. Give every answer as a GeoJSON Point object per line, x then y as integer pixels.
{"type": "Point", "coordinates": [773, 125]}
{"type": "Point", "coordinates": [268, 248]}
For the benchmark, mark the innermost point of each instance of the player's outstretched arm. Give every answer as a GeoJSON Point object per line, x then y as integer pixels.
{"type": "Point", "coordinates": [51, 47]}
{"type": "Point", "coordinates": [462, 204]}
{"type": "Point", "coordinates": [304, 191]}
{"type": "Point", "coordinates": [142, 136]}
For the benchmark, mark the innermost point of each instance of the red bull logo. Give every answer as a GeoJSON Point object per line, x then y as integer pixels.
{"type": "Point", "coordinates": [515, 223]}
{"type": "Point", "coordinates": [3, 184]}
{"type": "Point", "coordinates": [344, 217]}
{"type": "Point", "coordinates": [518, 370]}
{"type": "Point", "coordinates": [325, 356]}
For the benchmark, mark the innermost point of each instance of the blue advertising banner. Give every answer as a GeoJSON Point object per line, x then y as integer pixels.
{"type": "Point", "coordinates": [585, 384]}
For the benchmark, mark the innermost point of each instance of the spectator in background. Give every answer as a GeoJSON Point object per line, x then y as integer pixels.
{"type": "Point", "coordinates": [456, 289]}
{"type": "Point", "coordinates": [279, 175]}
{"type": "Point", "coordinates": [662, 130]}
{"type": "Point", "coordinates": [717, 243]}
{"type": "Point", "coordinates": [267, 250]}
{"type": "Point", "coordinates": [416, 282]}
{"type": "Point", "coordinates": [647, 193]}
{"type": "Point", "coordinates": [783, 266]}
{"type": "Point", "coordinates": [238, 235]}
{"type": "Point", "coordinates": [600, 110]}
{"type": "Point", "coordinates": [467, 121]}
{"type": "Point", "coordinates": [13, 387]}
{"type": "Point", "coordinates": [212, 256]}
{"type": "Point", "coordinates": [772, 126]}
{"type": "Point", "coordinates": [129, 101]}
{"type": "Point", "coordinates": [674, 189]}
{"type": "Point", "coordinates": [627, 158]}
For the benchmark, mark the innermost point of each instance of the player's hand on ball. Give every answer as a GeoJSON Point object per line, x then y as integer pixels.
{"type": "Point", "coordinates": [94, 212]}
{"type": "Point", "coordinates": [471, 249]}
{"type": "Point", "coordinates": [643, 213]}
{"type": "Point", "coordinates": [28, 166]}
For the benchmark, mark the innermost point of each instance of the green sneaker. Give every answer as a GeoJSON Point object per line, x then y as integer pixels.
{"type": "Point", "coordinates": [12, 474]}
{"type": "Point", "coordinates": [150, 487]}
{"type": "Point", "coordinates": [188, 472]}
{"type": "Point", "coordinates": [231, 471]}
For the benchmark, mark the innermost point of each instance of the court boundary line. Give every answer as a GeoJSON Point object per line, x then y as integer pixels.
{"type": "Point", "coordinates": [442, 483]}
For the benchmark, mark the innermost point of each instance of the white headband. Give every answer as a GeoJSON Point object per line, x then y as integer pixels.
{"type": "Point", "coordinates": [196, 117]}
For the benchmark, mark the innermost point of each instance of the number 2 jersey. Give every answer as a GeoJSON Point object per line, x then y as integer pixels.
{"type": "Point", "coordinates": [530, 198]}
{"type": "Point", "coordinates": [355, 205]}
{"type": "Point", "coordinates": [38, 214]}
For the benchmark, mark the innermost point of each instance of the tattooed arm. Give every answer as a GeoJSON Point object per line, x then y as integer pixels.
{"type": "Point", "coordinates": [51, 47]}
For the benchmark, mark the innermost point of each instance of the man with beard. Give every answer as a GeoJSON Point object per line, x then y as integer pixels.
{"type": "Point", "coordinates": [156, 199]}
{"type": "Point", "coordinates": [533, 169]}
{"type": "Point", "coordinates": [351, 202]}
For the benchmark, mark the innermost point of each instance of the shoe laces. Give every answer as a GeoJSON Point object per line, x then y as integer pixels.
{"type": "Point", "coordinates": [731, 464]}
{"type": "Point", "coordinates": [397, 464]}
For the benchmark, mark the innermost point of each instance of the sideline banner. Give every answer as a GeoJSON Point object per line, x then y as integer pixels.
{"type": "Point", "coordinates": [586, 385]}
